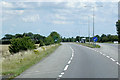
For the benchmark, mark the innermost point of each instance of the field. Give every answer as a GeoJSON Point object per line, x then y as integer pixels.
{"type": "Point", "coordinates": [21, 61]}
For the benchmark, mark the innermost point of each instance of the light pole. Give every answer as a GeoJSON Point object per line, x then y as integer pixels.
{"type": "Point", "coordinates": [89, 29]}
{"type": "Point", "coordinates": [93, 7]}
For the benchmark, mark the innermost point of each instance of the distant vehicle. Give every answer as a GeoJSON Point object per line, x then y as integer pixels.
{"type": "Point", "coordinates": [83, 40]}
{"type": "Point", "coordinates": [115, 42]}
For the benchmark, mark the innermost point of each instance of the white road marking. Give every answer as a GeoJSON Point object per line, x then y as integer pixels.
{"type": "Point", "coordinates": [69, 62]}
{"type": "Point", "coordinates": [103, 55]}
{"type": "Point", "coordinates": [117, 63]}
{"type": "Point", "coordinates": [60, 75]}
{"type": "Point", "coordinates": [108, 56]}
{"type": "Point", "coordinates": [66, 67]}
{"type": "Point", "coordinates": [112, 59]}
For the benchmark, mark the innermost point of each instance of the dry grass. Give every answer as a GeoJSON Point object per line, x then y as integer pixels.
{"type": "Point", "coordinates": [17, 63]}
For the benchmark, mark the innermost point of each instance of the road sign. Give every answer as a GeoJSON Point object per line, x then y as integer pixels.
{"type": "Point", "coordinates": [95, 39]}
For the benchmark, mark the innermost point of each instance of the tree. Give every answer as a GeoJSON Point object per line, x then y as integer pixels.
{"type": "Point", "coordinates": [30, 34]}
{"type": "Point", "coordinates": [37, 38]}
{"type": "Point", "coordinates": [98, 38]}
{"type": "Point", "coordinates": [41, 43]}
{"type": "Point", "coordinates": [18, 35]}
{"type": "Point", "coordinates": [118, 29]}
{"type": "Point", "coordinates": [19, 44]}
{"type": "Point", "coordinates": [8, 36]}
{"type": "Point", "coordinates": [78, 38]}
{"type": "Point", "coordinates": [56, 37]}
{"type": "Point", "coordinates": [49, 40]}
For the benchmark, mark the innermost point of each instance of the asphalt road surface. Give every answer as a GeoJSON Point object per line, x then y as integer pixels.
{"type": "Point", "coordinates": [73, 61]}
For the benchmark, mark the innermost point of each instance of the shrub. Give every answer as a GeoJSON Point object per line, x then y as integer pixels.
{"type": "Point", "coordinates": [19, 44]}
{"type": "Point", "coordinates": [36, 51]}
{"type": "Point", "coordinates": [41, 43]}
{"type": "Point", "coordinates": [49, 40]}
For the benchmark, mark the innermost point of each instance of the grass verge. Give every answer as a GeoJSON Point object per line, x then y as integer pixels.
{"type": "Point", "coordinates": [89, 45]}
{"type": "Point", "coordinates": [14, 67]}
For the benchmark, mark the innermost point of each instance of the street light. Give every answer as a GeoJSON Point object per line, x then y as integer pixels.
{"type": "Point", "coordinates": [88, 27]}
{"type": "Point", "coordinates": [93, 18]}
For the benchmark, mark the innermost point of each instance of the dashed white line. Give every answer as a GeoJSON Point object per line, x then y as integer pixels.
{"type": "Point", "coordinates": [104, 55]}
{"type": "Point", "coordinates": [60, 75]}
{"type": "Point", "coordinates": [112, 59]}
{"type": "Point", "coordinates": [69, 62]}
{"type": "Point", "coordinates": [108, 56]}
{"type": "Point", "coordinates": [66, 67]}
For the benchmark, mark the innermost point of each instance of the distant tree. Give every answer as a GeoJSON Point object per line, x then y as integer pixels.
{"type": "Point", "coordinates": [30, 34]}
{"type": "Point", "coordinates": [78, 38]}
{"type": "Point", "coordinates": [37, 38]}
{"type": "Point", "coordinates": [18, 35]}
{"type": "Point", "coordinates": [118, 29]}
{"type": "Point", "coordinates": [56, 37]}
{"type": "Point", "coordinates": [41, 43]}
{"type": "Point", "coordinates": [98, 38]}
{"type": "Point", "coordinates": [49, 40]}
{"type": "Point", "coordinates": [8, 36]}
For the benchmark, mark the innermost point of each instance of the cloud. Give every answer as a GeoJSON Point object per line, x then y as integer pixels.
{"type": "Point", "coordinates": [62, 22]}
{"type": "Point", "coordinates": [6, 4]}
{"type": "Point", "coordinates": [58, 16]}
{"type": "Point", "coordinates": [31, 18]}
{"type": "Point", "coordinates": [63, 0]}
{"type": "Point", "coordinates": [17, 12]}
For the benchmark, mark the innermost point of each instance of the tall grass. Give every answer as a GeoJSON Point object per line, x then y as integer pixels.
{"type": "Point", "coordinates": [16, 64]}
{"type": "Point", "coordinates": [90, 45]}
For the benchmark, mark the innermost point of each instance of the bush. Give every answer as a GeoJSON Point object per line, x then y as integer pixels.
{"type": "Point", "coordinates": [19, 44]}
{"type": "Point", "coordinates": [49, 40]}
{"type": "Point", "coordinates": [41, 43]}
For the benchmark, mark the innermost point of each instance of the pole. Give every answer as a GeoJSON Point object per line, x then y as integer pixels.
{"type": "Point", "coordinates": [88, 30]}
{"type": "Point", "coordinates": [93, 24]}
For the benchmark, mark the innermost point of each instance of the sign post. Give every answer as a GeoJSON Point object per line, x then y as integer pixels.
{"type": "Point", "coordinates": [95, 40]}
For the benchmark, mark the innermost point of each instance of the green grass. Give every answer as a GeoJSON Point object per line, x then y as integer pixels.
{"type": "Point", "coordinates": [89, 45]}
{"type": "Point", "coordinates": [15, 66]}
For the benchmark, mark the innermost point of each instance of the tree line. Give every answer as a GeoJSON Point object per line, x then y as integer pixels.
{"type": "Point", "coordinates": [102, 38]}
{"type": "Point", "coordinates": [26, 41]}
{"type": "Point", "coordinates": [54, 37]}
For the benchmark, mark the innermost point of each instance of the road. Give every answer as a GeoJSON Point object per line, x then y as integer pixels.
{"type": "Point", "coordinates": [109, 49]}
{"type": "Point", "coordinates": [73, 61]}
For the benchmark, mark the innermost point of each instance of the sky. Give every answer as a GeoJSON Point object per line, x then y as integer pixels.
{"type": "Point", "coordinates": [68, 18]}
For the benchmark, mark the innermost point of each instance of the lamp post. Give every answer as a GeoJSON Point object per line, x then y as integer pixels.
{"type": "Point", "coordinates": [88, 27]}
{"type": "Point", "coordinates": [93, 7]}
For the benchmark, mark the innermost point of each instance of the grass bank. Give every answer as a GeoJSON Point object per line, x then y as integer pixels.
{"type": "Point", "coordinates": [15, 65]}
{"type": "Point", "coordinates": [89, 45]}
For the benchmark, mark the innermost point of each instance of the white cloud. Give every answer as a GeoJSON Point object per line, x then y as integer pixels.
{"type": "Point", "coordinates": [65, 0]}
{"type": "Point", "coordinates": [6, 4]}
{"type": "Point", "coordinates": [17, 12]}
{"type": "Point", "coordinates": [31, 18]}
{"type": "Point", "coordinates": [58, 16]}
{"type": "Point", "coordinates": [62, 22]}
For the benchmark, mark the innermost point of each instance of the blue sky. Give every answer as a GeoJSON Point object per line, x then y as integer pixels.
{"type": "Point", "coordinates": [69, 19]}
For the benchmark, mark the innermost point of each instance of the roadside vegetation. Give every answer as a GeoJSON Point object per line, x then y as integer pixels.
{"type": "Point", "coordinates": [90, 45]}
{"type": "Point", "coordinates": [118, 30]}
{"type": "Point", "coordinates": [16, 64]}
{"type": "Point", "coordinates": [101, 39]}
{"type": "Point", "coordinates": [22, 51]}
